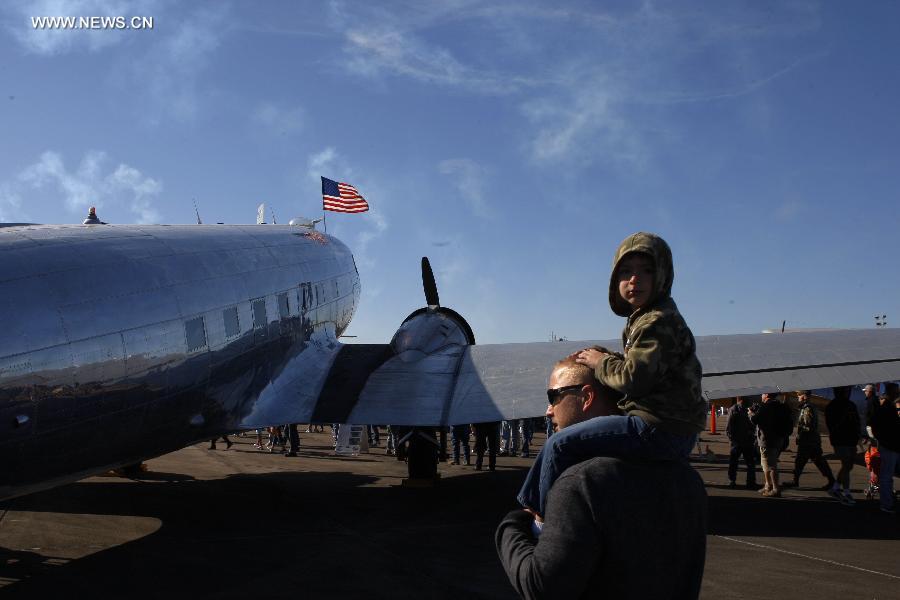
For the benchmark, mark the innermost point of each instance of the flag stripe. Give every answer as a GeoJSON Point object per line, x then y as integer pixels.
{"type": "Point", "coordinates": [346, 199]}
{"type": "Point", "coordinates": [347, 202]}
{"type": "Point", "coordinates": [346, 210]}
{"type": "Point", "coordinates": [331, 200]}
{"type": "Point", "coordinates": [333, 206]}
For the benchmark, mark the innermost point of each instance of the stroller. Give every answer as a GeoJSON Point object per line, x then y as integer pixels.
{"type": "Point", "coordinates": [873, 465]}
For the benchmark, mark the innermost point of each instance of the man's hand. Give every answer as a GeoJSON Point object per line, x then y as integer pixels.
{"type": "Point", "coordinates": [590, 357]}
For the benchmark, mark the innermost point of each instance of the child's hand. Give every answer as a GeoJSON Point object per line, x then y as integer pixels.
{"type": "Point", "coordinates": [536, 516]}
{"type": "Point", "coordinates": [590, 357]}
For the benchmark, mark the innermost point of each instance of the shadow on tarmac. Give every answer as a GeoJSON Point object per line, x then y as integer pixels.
{"type": "Point", "coordinates": [322, 534]}
{"type": "Point", "coordinates": [335, 534]}
{"type": "Point", "coordinates": [797, 516]}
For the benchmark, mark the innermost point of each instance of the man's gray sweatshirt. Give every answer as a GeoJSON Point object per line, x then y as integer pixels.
{"type": "Point", "coordinates": [613, 529]}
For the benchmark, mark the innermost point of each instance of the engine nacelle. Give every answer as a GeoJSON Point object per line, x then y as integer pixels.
{"type": "Point", "coordinates": [428, 331]}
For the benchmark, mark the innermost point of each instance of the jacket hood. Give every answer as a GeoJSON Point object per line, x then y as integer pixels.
{"type": "Point", "coordinates": [656, 247]}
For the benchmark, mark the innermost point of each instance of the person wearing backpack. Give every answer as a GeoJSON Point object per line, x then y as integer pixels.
{"type": "Point", "coordinates": [774, 425]}
{"type": "Point", "coordinates": [809, 442]}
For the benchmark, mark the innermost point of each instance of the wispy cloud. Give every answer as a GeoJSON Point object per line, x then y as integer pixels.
{"type": "Point", "coordinates": [601, 102]}
{"type": "Point", "coordinates": [590, 124]}
{"type": "Point", "coordinates": [11, 205]}
{"type": "Point", "coordinates": [278, 120]}
{"type": "Point", "coordinates": [469, 178]}
{"type": "Point", "coordinates": [90, 184]}
{"type": "Point", "coordinates": [741, 89]}
{"type": "Point", "coordinates": [321, 163]}
{"type": "Point", "coordinates": [392, 51]}
{"type": "Point", "coordinates": [169, 72]}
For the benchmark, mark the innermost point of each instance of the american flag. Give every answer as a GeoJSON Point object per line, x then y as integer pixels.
{"type": "Point", "coordinates": [342, 197]}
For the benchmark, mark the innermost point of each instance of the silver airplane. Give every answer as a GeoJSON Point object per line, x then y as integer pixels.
{"type": "Point", "coordinates": [126, 342]}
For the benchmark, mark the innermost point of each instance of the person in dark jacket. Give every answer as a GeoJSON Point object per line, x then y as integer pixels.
{"type": "Point", "coordinates": [774, 424]}
{"type": "Point", "coordinates": [611, 522]}
{"type": "Point", "coordinates": [809, 442]}
{"type": "Point", "coordinates": [886, 428]}
{"type": "Point", "coordinates": [842, 419]}
{"type": "Point", "coordinates": [740, 433]}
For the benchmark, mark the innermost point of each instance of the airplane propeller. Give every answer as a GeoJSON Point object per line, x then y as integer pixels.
{"type": "Point", "coordinates": [432, 323]}
{"type": "Point", "coordinates": [431, 293]}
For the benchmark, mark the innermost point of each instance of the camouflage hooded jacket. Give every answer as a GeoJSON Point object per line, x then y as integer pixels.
{"type": "Point", "coordinates": [808, 426]}
{"type": "Point", "coordinates": [659, 373]}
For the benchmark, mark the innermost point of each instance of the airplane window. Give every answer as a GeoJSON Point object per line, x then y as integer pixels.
{"type": "Point", "coordinates": [195, 333]}
{"type": "Point", "coordinates": [259, 313]}
{"type": "Point", "coordinates": [232, 324]}
{"type": "Point", "coordinates": [307, 295]}
{"type": "Point", "coordinates": [283, 308]}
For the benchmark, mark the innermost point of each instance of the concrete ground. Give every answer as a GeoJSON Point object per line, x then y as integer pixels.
{"type": "Point", "coordinates": [245, 523]}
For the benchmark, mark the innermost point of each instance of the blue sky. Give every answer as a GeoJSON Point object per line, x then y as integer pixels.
{"type": "Point", "coordinates": [515, 144]}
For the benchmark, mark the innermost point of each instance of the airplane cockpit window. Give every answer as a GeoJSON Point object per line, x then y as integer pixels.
{"type": "Point", "coordinates": [259, 313]}
{"type": "Point", "coordinates": [232, 324]}
{"type": "Point", "coordinates": [195, 333]}
{"type": "Point", "coordinates": [283, 307]}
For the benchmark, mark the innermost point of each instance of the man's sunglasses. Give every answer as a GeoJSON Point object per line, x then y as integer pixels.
{"type": "Point", "coordinates": [554, 395]}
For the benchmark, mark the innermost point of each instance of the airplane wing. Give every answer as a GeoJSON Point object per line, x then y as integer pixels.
{"type": "Point", "coordinates": [460, 383]}
{"type": "Point", "coordinates": [736, 365]}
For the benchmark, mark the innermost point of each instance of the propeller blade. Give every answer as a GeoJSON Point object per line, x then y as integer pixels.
{"type": "Point", "coordinates": [431, 293]}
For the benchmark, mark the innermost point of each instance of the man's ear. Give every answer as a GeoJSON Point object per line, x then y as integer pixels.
{"type": "Point", "coordinates": [590, 396]}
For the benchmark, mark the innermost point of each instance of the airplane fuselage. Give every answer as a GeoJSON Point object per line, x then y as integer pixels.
{"type": "Point", "coordinates": [123, 342]}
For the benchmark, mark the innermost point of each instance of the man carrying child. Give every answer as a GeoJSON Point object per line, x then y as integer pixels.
{"type": "Point", "coordinates": [610, 521]}
{"type": "Point", "coordinates": [658, 373]}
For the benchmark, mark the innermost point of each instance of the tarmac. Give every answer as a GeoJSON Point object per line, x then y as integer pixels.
{"type": "Point", "coordinates": [241, 523]}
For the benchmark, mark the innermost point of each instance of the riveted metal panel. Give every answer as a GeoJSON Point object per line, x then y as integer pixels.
{"type": "Point", "coordinates": [201, 296]}
{"type": "Point", "coordinates": [31, 320]}
{"type": "Point", "coordinates": [89, 319]}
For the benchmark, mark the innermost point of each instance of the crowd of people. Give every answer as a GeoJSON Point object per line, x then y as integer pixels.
{"type": "Point", "coordinates": [761, 432]}
{"type": "Point", "coordinates": [498, 438]}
